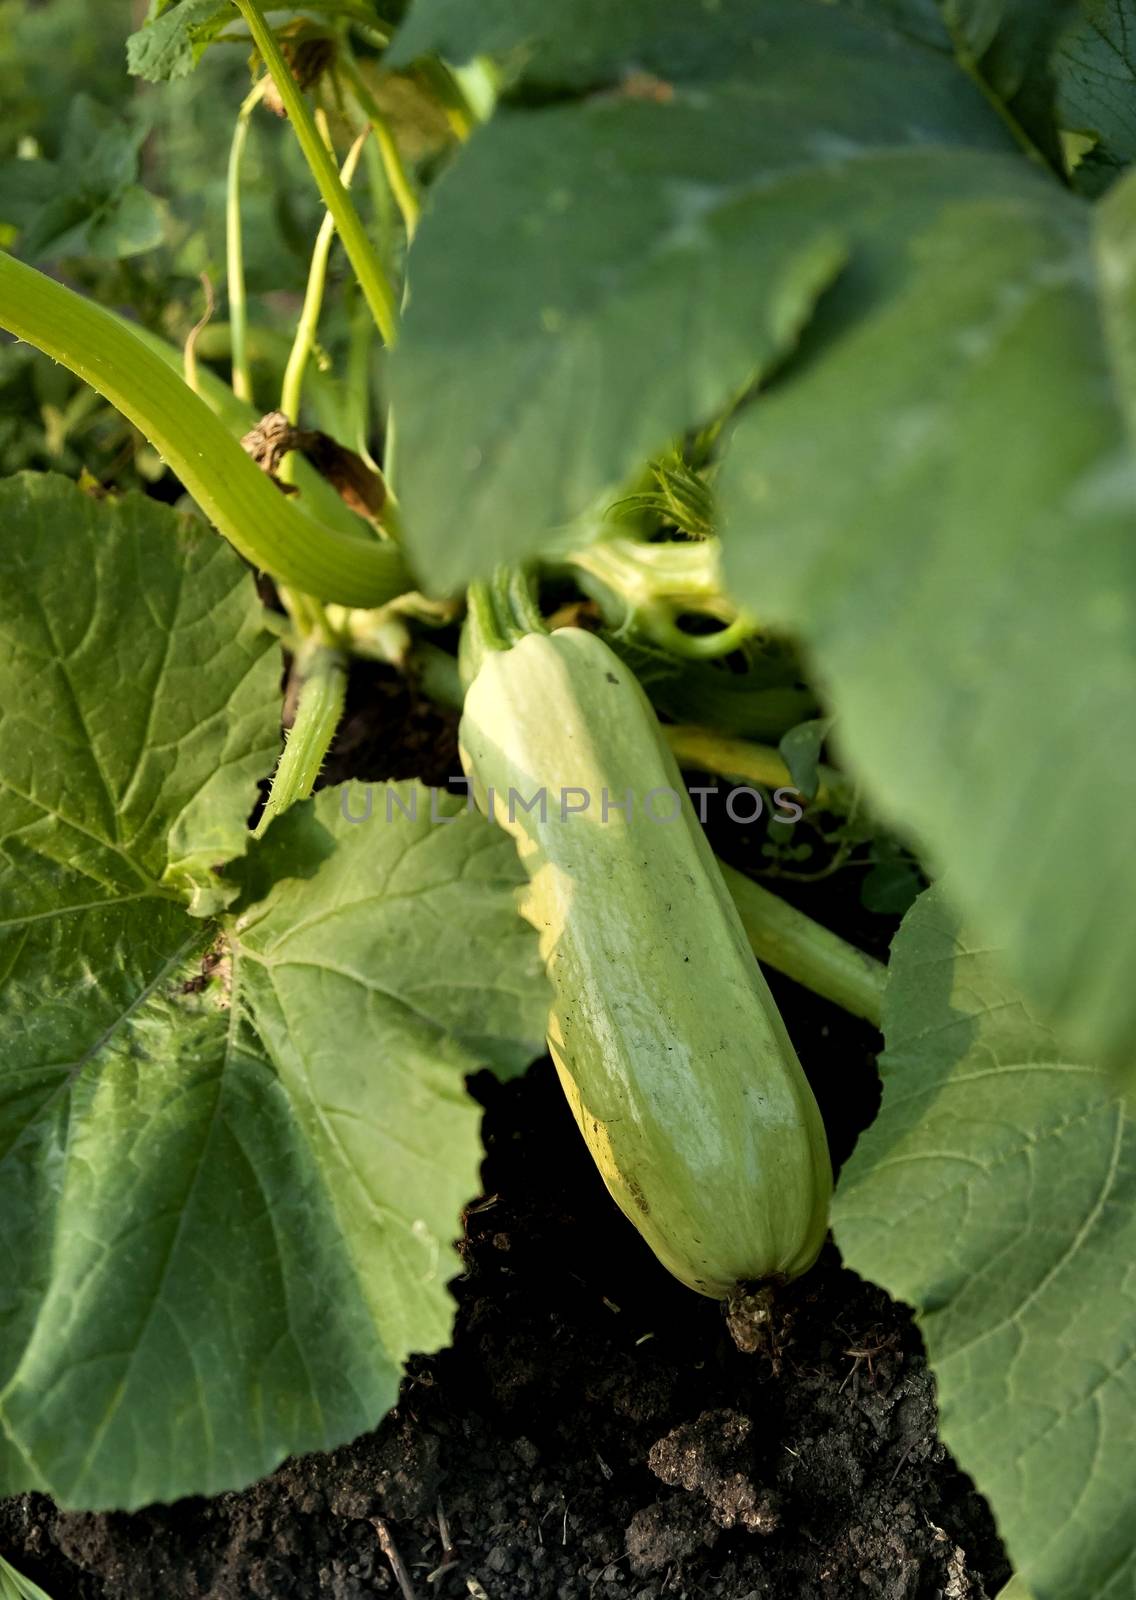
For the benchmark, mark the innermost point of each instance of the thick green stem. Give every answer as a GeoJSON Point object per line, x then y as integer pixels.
{"type": "Point", "coordinates": [323, 692]}
{"type": "Point", "coordinates": [638, 574]}
{"type": "Point", "coordinates": [235, 250]}
{"type": "Point", "coordinates": [700, 646]}
{"type": "Point", "coordinates": [367, 267]}
{"type": "Point", "coordinates": [499, 613]}
{"type": "Point", "coordinates": [390, 450]}
{"type": "Point", "coordinates": [244, 504]}
{"type": "Point", "coordinates": [317, 497]}
{"type": "Point", "coordinates": [708, 751]}
{"type": "Point", "coordinates": [790, 942]}
{"type": "Point", "coordinates": [646, 588]}
{"type": "Point", "coordinates": [483, 630]}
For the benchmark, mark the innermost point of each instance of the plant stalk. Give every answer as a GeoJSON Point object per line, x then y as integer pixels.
{"type": "Point", "coordinates": [323, 693]}
{"type": "Point", "coordinates": [791, 943]}
{"type": "Point", "coordinates": [317, 497]}
{"type": "Point", "coordinates": [234, 246]}
{"type": "Point", "coordinates": [499, 612]}
{"type": "Point", "coordinates": [368, 268]}
{"type": "Point", "coordinates": [244, 504]}
{"type": "Point", "coordinates": [308, 325]}
{"type": "Point", "coordinates": [645, 588]}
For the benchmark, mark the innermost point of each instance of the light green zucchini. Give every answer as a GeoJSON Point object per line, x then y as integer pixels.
{"type": "Point", "coordinates": [668, 1044]}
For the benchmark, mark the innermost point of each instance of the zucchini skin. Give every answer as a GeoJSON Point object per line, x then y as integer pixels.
{"type": "Point", "coordinates": [667, 1042]}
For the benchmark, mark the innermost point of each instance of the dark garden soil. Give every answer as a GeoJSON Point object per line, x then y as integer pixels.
{"type": "Point", "coordinates": [593, 1433]}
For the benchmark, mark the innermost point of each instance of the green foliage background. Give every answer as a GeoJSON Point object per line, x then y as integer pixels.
{"type": "Point", "coordinates": [172, 142]}
{"type": "Point", "coordinates": [883, 254]}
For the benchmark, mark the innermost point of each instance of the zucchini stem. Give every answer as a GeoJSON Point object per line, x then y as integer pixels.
{"type": "Point", "coordinates": [791, 943]}
{"type": "Point", "coordinates": [499, 613]}
{"type": "Point", "coordinates": [231, 490]}
{"type": "Point", "coordinates": [645, 589]}
{"type": "Point", "coordinates": [323, 693]}
{"type": "Point", "coordinates": [317, 497]}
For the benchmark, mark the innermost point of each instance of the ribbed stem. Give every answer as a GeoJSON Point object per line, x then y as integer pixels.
{"type": "Point", "coordinates": [233, 493]}
{"type": "Point", "coordinates": [498, 614]}
{"type": "Point", "coordinates": [323, 693]}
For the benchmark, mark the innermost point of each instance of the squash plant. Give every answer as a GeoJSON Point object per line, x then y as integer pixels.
{"type": "Point", "coordinates": [756, 333]}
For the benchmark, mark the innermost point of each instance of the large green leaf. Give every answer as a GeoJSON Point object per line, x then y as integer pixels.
{"type": "Point", "coordinates": [566, 42]}
{"type": "Point", "coordinates": [941, 500]}
{"type": "Point", "coordinates": [581, 44]}
{"type": "Point", "coordinates": [936, 497]}
{"type": "Point", "coordinates": [996, 1193]}
{"type": "Point", "coordinates": [1096, 73]}
{"type": "Point", "coordinates": [232, 1152]}
{"type": "Point", "coordinates": [138, 698]}
{"type": "Point", "coordinates": [172, 42]}
{"type": "Point", "coordinates": [230, 1215]}
{"type": "Point", "coordinates": [577, 43]}
{"type": "Point", "coordinates": [631, 261]}
{"type": "Point", "coordinates": [407, 894]}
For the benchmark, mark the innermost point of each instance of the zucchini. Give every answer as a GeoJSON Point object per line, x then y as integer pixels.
{"type": "Point", "coordinates": [666, 1039]}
